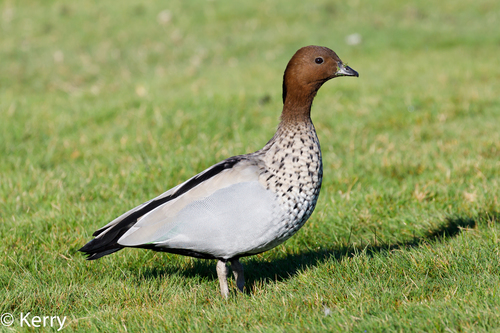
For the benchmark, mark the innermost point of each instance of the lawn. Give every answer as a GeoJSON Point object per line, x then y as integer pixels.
{"type": "Point", "coordinates": [106, 104]}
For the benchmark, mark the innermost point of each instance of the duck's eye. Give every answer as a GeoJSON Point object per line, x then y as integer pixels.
{"type": "Point", "coordinates": [318, 60]}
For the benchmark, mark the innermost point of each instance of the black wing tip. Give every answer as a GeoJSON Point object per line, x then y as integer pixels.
{"type": "Point", "coordinates": [84, 249]}
{"type": "Point", "coordinates": [97, 255]}
{"type": "Point", "coordinates": [93, 250]}
{"type": "Point", "coordinates": [90, 247]}
{"type": "Point", "coordinates": [90, 255]}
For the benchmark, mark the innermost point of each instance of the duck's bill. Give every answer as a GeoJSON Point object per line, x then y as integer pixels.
{"type": "Point", "coordinates": [345, 71]}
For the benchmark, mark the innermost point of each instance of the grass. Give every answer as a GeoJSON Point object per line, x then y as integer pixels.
{"type": "Point", "coordinates": [104, 105]}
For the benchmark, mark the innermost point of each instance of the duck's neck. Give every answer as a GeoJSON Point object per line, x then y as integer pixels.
{"type": "Point", "coordinates": [297, 105]}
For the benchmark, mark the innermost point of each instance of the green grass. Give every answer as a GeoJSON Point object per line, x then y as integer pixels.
{"type": "Point", "coordinates": [104, 105]}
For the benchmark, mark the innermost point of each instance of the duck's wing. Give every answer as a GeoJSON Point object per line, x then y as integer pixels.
{"type": "Point", "coordinates": [203, 216]}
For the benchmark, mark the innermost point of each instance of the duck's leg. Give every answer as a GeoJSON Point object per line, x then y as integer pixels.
{"type": "Point", "coordinates": [237, 268]}
{"type": "Point", "coordinates": [222, 271]}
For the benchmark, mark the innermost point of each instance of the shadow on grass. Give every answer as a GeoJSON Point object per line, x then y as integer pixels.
{"type": "Point", "coordinates": [285, 268]}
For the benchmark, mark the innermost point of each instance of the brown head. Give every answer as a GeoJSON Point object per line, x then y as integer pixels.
{"type": "Point", "coordinates": [309, 68]}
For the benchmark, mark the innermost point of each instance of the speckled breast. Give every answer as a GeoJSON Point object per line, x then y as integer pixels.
{"type": "Point", "coordinates": [293, 171]}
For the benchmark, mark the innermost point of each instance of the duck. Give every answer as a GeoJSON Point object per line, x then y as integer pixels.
{"type": "Point", "coordinates": [245, 204]}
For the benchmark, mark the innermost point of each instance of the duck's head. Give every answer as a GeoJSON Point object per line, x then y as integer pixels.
{"type": "Point", "coordinates": [309, 68]}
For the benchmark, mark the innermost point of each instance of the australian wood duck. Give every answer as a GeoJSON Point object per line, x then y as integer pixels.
{"type": "Point", "coordinates": [246, 204]}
